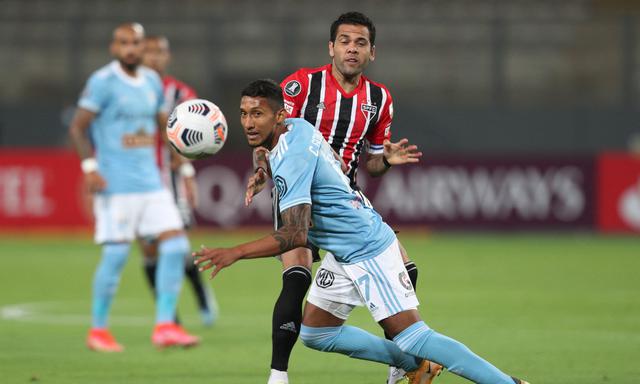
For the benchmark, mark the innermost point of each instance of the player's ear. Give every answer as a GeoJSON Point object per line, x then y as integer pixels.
{"type": "Point", "coordinates": [281, 115]}
{"type": "Point", "coordinates": [373, 53]}
{"type": "Point", "coordinates": [331, 54]}
{"type": "Point", "coordinates": [113, 49]}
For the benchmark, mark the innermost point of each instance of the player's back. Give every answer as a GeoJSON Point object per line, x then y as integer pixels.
{"type": "Point", "coordinates": [123, 131]}
{"type": "Point", "coordinates": [305, 171]}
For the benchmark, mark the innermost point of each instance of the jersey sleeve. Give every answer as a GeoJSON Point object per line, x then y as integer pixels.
{"type": "Point", "coordinates": [95, 95]}
{"type": "Point", "coordinates": [382, 130]}
{"type": "Point", "coordinates": [294, 91]}
{"type": "Point", "coordinates": [294, 173]}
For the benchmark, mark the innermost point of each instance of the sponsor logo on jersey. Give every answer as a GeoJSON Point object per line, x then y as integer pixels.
{"type": "Point", "coordinates": [138, 139]}
{"type": "Point", "coordinates": [292, 88]}
{"type": "Point", "coordinates": [324, 278]}
{"type": "Point", "coordinates": [320, 105]}
{"type": "Point", "coordinates": [405, 281]}
{"type": "Point", "coordinates": [281, 186]}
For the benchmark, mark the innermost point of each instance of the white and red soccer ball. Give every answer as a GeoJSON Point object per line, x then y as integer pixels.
{"type": "Point", "coordinates": [197, 128]}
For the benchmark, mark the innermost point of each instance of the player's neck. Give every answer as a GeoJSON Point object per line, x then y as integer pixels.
{"type": "Point", "coordinates": [280, 129]}
{"type": "Point", "coordinates": [131, 72]}
{"type": "Point", "coordinates": [348, 84]}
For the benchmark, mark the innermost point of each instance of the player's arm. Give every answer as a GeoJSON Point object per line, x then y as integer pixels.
{"type": "Point", "coordinates": [78, 132]}
{"type": "Point", "coordinates": [397, 153]}
{"type": "Point", "coordinates": [292, 234]}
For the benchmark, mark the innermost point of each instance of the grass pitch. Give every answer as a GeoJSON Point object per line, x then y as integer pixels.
{"type": "Point", "coordinates": [548, 308]}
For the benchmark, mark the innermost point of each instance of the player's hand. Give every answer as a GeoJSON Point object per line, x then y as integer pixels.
{"type": "Point", "coordinates": [401, 152]}
{"type": "Point", "coordinates": [94, 182]}
{"type": "Point", "coordinates": [256, 183]}
{"type": "Point", "coordinates": [216, 258]}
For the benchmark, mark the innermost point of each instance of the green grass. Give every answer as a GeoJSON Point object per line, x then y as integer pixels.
{"type": "Point", "coordinates": [549, 308]}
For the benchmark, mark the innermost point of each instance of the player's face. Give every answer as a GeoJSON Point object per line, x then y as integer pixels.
{"type": "Point", "coordinates": [156, 54]}
{"type": "Point", "coordinates": [128, 46]}
{"type": "Point", "coordinates": [352, 51]}
{"type": "Point", "coordinates": [259, 121]}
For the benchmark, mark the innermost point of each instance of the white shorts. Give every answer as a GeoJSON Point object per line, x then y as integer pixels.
{"type": "Point", "coordinates": [381, 284]}
{"type": "Point", "coordinates": [123, 217]}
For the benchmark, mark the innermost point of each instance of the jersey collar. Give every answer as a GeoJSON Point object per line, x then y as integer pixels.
{"type": "Point", "coordinates": [135, 81]}
{"type": "Point", "coordinates": [339, 87]}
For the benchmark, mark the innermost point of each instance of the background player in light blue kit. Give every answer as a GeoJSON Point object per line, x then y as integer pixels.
{"type": "Point", "coordinates": [363, 265]}
{"type": "Point", "coordinates": [121, 109]}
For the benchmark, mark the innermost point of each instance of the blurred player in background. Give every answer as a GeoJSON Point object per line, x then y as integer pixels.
{"type": "Point", "coordinates": [178, 177]}
{"type": "Point", "coordinates": [117, 121]}
{"type": "Point", "coordinates": [354, 115]}
{"type": "Point", "coordinates": [362, 266]}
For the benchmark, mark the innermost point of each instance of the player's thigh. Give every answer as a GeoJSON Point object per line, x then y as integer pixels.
{"type": "Point", "coordinates": [314, 316]}
{"type": "Point", "coordinates": [160, 216]}
{"type": "Point", "coordinates": [333, 290]}
{"type": "Point", "coordinates": [116, 216]}
{"type": "Point", "coordinates": [397, 323]}
{"type": "Point", "coordinates": [403, 253]}
{"type": "Point", "coordinates": [384, 284]}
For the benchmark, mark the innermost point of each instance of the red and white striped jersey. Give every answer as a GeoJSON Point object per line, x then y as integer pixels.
{"type": "Point", "coordinates": [346, 120]}
{"type": "Point", "coordinates": [175, 92]}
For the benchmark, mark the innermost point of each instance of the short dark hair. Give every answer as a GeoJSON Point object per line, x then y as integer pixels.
{"type": "Point", "coordinates": [268, 89]}
{"type": "Point", "coordinates": [353, 18]}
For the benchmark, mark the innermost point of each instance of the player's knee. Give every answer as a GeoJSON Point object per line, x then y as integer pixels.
{"type": "Point", "coordinates": [319, 338]}
{"type": "Point", "coordinates": [175, 245]}
{"type": "Point", "coordinates": [297, 257]}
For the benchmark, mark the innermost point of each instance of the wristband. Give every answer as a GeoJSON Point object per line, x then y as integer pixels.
{"type": "Point", "coordinates": [385, 162]}
{"type": "Point", "coordinates": [263, 170]}
{"type": "Point", "coordinates": [88, 165]}
{"type": "Point", "coordinates": [187, 170]}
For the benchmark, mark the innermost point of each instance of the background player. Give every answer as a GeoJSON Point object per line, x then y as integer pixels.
{"type": "Point", "coordinates": [362, 265]}
{"type": "Point", "coordinates": [121, 108]}
{"type": "Point", "coordinates": [179, 178]}
{"type": "Point", "coordinates": [354, 115]}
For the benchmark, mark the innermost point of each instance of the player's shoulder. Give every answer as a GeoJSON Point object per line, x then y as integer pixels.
{"type": "Point", "coordinates": [298, 130]}
{"type": "Point", "coordinates": [150, 75]}
{"type": "Point", "coordinates": [301, 76]}
{"type": "Point", "coordinates": [378, 84]}
{"type": "Point", "coordinates": [103, 74]}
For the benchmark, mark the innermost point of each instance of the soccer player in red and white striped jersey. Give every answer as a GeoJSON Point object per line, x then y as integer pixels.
{"type": "Point", "coordinates": [179, 180]}
{"type": "Point", "coordinates": [354, 115]}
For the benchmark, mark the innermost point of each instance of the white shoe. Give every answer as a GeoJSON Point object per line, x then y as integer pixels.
{"type": "Point", "coordinates": [278, 377]}
{"type": "Point", "coordinates": [396, 375]}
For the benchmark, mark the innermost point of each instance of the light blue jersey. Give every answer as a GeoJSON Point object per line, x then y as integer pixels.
{"type": "Point", "coordinates": [124, 130]}
{"type": "Point", "coordinates": [305, 171]}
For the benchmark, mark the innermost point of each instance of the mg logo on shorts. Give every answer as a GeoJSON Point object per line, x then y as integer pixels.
{"type": "Point", "coordinates": [324, 278]}
{"type": "Point", "coordinates": [405, 281]}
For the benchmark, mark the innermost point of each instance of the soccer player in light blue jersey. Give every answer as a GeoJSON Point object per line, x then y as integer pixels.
{"type": "Point", "coordinates": [363, 265]}
{"type": "Point", "coordinates": [114, 132]}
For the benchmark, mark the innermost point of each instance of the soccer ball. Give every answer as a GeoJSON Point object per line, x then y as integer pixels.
{"type": "Point", "coordinates": [197, 129]}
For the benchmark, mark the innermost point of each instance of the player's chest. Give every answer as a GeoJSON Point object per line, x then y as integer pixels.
{"type": "Point", "coordinates": [134, 102]}
{"type": "Point", "coordinates": [356, 111]}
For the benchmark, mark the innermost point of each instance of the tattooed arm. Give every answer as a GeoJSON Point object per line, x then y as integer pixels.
{"type": "Point", "coordinates": [292, 234]}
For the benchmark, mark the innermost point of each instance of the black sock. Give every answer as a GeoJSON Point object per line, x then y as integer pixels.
{"type": "Point", "coordinates": [150, 267]}
{"type": "Point", "coordinates": [194, 278]}
{"type": "Point", "coordinates": [287, 315]}
{"type": "Point", "coordinates": [412, 270]}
